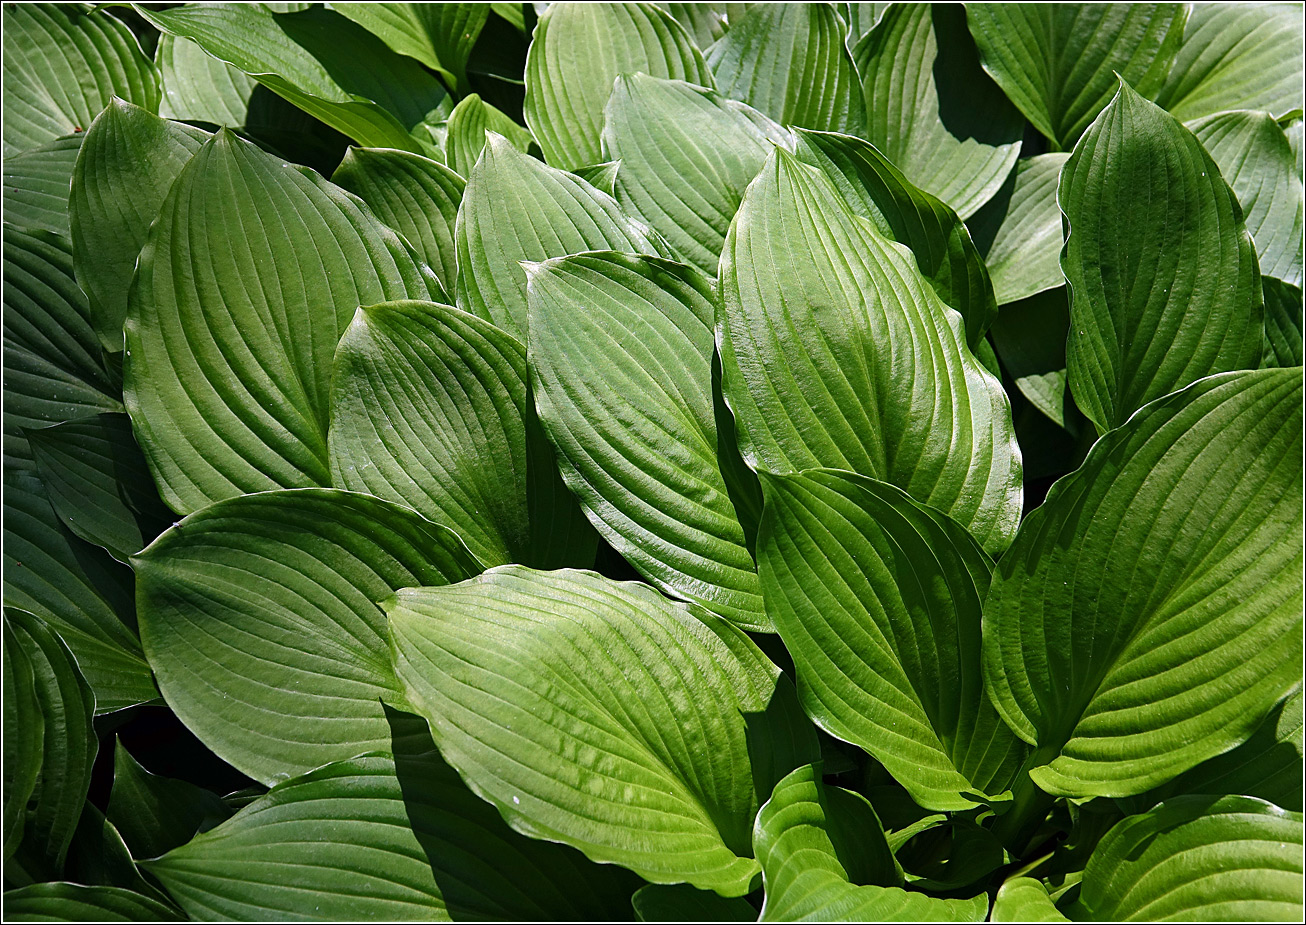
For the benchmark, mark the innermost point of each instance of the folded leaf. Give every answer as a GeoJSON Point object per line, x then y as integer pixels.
{"type": "Point", "coordinates": [1024, 899]}
{"type": "Point", "coordinates": [1159, 296]}
{"type": "Point", "coordinates": [155, 814]}
{"type": "Point", "coordinates": [440, 35]}
{"type": "Point", "coordinates": [1237, 56]}
{"type": "Point", "coordinates": [1019, 230]}
{"type": "Point", "coordinates": [517, 209]}
{"type": "Point", "coordinates": [567, 83]}
{"type": "Point", "coordinates": [686, 156]}
{"type": "Point", "coordinates": [800, 839]}
{"type": "Point", "coordinates": [561, 697]}
{"type": "Point", "coordinates": [250, 274]}
{"type": "Point", "coordinates": [24, 738]}
{"type": "Point", "coordinates": [1232, 859]}
{"type": "Point", "coordinates": [788, 60]}
{"type": "Point", "coordinates": [469, 122]}
{"type": "Point", "coordinates": [62, 65]}
{"type": "Point", "coordinates": [258, 617]}
{"type": "Point", "coordinates": [1142, 621]}
{"type": "Point", "coordinates": [621, 354]}
{"type": "Point", "coordinates": [835, 353]}
{"type": "Point", "coordinates": [1060, 63]}
{"type": "Point", "coordinates": [932, 110]}
{"type": "Point", "coordinates": [36, 185]}
{"type": "Point", "coordinates": [71, 902]}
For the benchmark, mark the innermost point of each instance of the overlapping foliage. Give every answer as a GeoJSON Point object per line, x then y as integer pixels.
{"type": "Point", "coordinates": [660, 461]}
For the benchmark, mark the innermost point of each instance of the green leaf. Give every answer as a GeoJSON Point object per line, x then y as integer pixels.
{"type": "Point", "coordinates": [1237, 56]}
{"type": "Point", "coordinates": [36, 185]}
{"type": "Point", "coordinates": [788, 60]}
{"type": "Point", "coordinates": [413, 195]}
{"type": "Point", "coordinates": [567, 83]}
{"type": "Point", "coordinates": [680, 902]}
{"type": "Point", "coordinates": [198, 87]}
{"type": "Point", "coordinates": [257, 616]}
{"type": "Point", "coordinates": [78, 589]}
{"type": "Point", "coordinates": [1061, 63]}
{"type": "Point", "coordinates": [1231, 859]}
{"type": "Point", "coordinates": [1283, 323]}
{"type": "Point", "coordinates": [98, 857]}
{"type": "Point", "coordinates": [440, 35]}
{"type": "Point", "coordinates": [1024, 899]}
{"type": "Point", "coordinates": [705, 22]}
{"type": "Point", "coordinates": [99, 484]}
{"type": "Point", "coordinates": [156, 814]}
{"type": "Point", "coordinates": [800, 839]}
{"type": "Point", "coordinates": [686, 156]}
{"type": "Point", "coordinates": [250, 274]}
{"type": "Point", "coordinates": [53, 367]}
{"type": "Point", "coordinates": [469, 122]}
{"type": "Point", "coordinates": [70, 902]}
{"type": "Point", "coordinates": [1030, 337]}
{"type": "Point", "coordinates": [1161, 296]}
{"type": "Point", "coordinates": [1257, 162]}
{"type": "Point", "coordinates": [562, 698]}
{"type": "Point", "coordinates": [1295, 129]}
{"type": "Point", "coordinates": [621, 355]}
{"type": "Point", "coordinates": [517, 209]}
{"type": "Point", "coordinates": [1187, 517]}
{"type": "Point", "coordinates": [932, 110]}
{"type": "Point", "coordinates": [331, 68]}
{"type": "Point", "coordinates": [126, 166]}
{"type": "Point", "coordinates": [424, 396]}
{"type": "Point", "coordinates": [900, 211]}
{"type": "Point", "coordinates": [382, 839]}
{"type": "Point", "coordinates": [62, 65]}
{"type": "Point", "coordinates": [24, 737]}
{"type": "Point", "coordinates": [1019, 230]}
{"type": "Point", "coordinates": [69, 744]}
{"type": "Point", "coordinates": [878, 599]}
{"type": "Point", "coordinates": [835, 353]}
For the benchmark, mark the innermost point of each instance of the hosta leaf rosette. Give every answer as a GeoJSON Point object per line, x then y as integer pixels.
{"type": "Point", "coordinates": [878, 599]}
{"type": "Point", "coordinates": [250, 274]}
{"type": "Point", "coordinates": [577, 51]}
{"type": "Point", "coordinates": [1197, 859]}
{"type": "Point", "coordinates": [1159, 296]}
{"type": "Point", "coordinates": [836, 353]}
{"type": "Point", "coordinates": [1144, 619]}
{"type": "Point", "coordinates": [807, 876]}
{"type": "Point", "coordinates": [258, 617]}
{"type": "Point", "coordinates": [565, 699]}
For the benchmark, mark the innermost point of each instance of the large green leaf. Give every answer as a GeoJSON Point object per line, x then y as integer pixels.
{"type": "Point", "coordinates": [902, 212]}
{"type": "Point", "coordinates": [126, 166]}
{"type": "Point", "coordinates": [686, 156]}
{"type": "Point", "coordinates": [440, 35]}
{"type": "Point", "coordinates": [564, 699]}
{"type": "Point", "coordinates": [200, 88]}
{"type": "Point", "coordinates": [878, 599]}
{"type": "Point", "coordinates": [577, 51]}
{"type": "Point", "coordinates": [156, 814]}
{"type": "Point", "coordinates": [788, 60]}
{"type": "Point", "coordinates": [78, 589]}
{"type": "Point", "coordinates": [517, 209]}
{"type": "Point", "coordinates": [1024, 899]}
{"type": "Point", "coordinates": [71, 902]}
{"type": "Point", "coordinates": [317, 59]}
{"type": "Point", "coordinates": [69, 744]}
{"type": "Point", "coordinates": [250, 274]}
{"type": "Point", "coordinates": [258, 617]}
{"type": "Point", "coordinates": [1060, 62]}
{"type": "Point", "coordinates": [427, 410]}
{"type": "Point", "coordinates": [932, 110]}
{"type": "Point", "coordinates": [413, 195]}
{"type": "Point", "coordinates": [1019, 230]}
{"type": "Point", "coordinates": [836, 353]}
{"type": "Point", "coordinates": [99, 483]}
{"type": "Point", "coordinates": [1159, 296]}
{"type": "Point", "coordinates": [1238, 56]}
{"type": "Point", "coordinates": [24, 736]}
{"type": "Point", "coordinates": [62, 65]}
{"type": "Point", "coordinates": [1283, 323]}
{"type": "Point", "coordinates": [53, 367]}
{"type": "Point", "coordinates": [1257, 162]}
{"type": "Point", "coordinates": [382, 839]}
{"type": "Point", "coordinates": [1197, 859]}
{"type": "Point", "coordinates": [1144, 619]}
{"type": "Point", "coordinates": [36, 185]}
{"type": "Point", "coordinates": [468, 123]}
{"type": "Point", "coordinates": [621, 355]}
{"type": "Point", "coordinates": [808, 867]}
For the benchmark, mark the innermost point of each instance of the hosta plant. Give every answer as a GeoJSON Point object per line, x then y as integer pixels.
{"type": "Point", "coordinates": [653, 461]}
